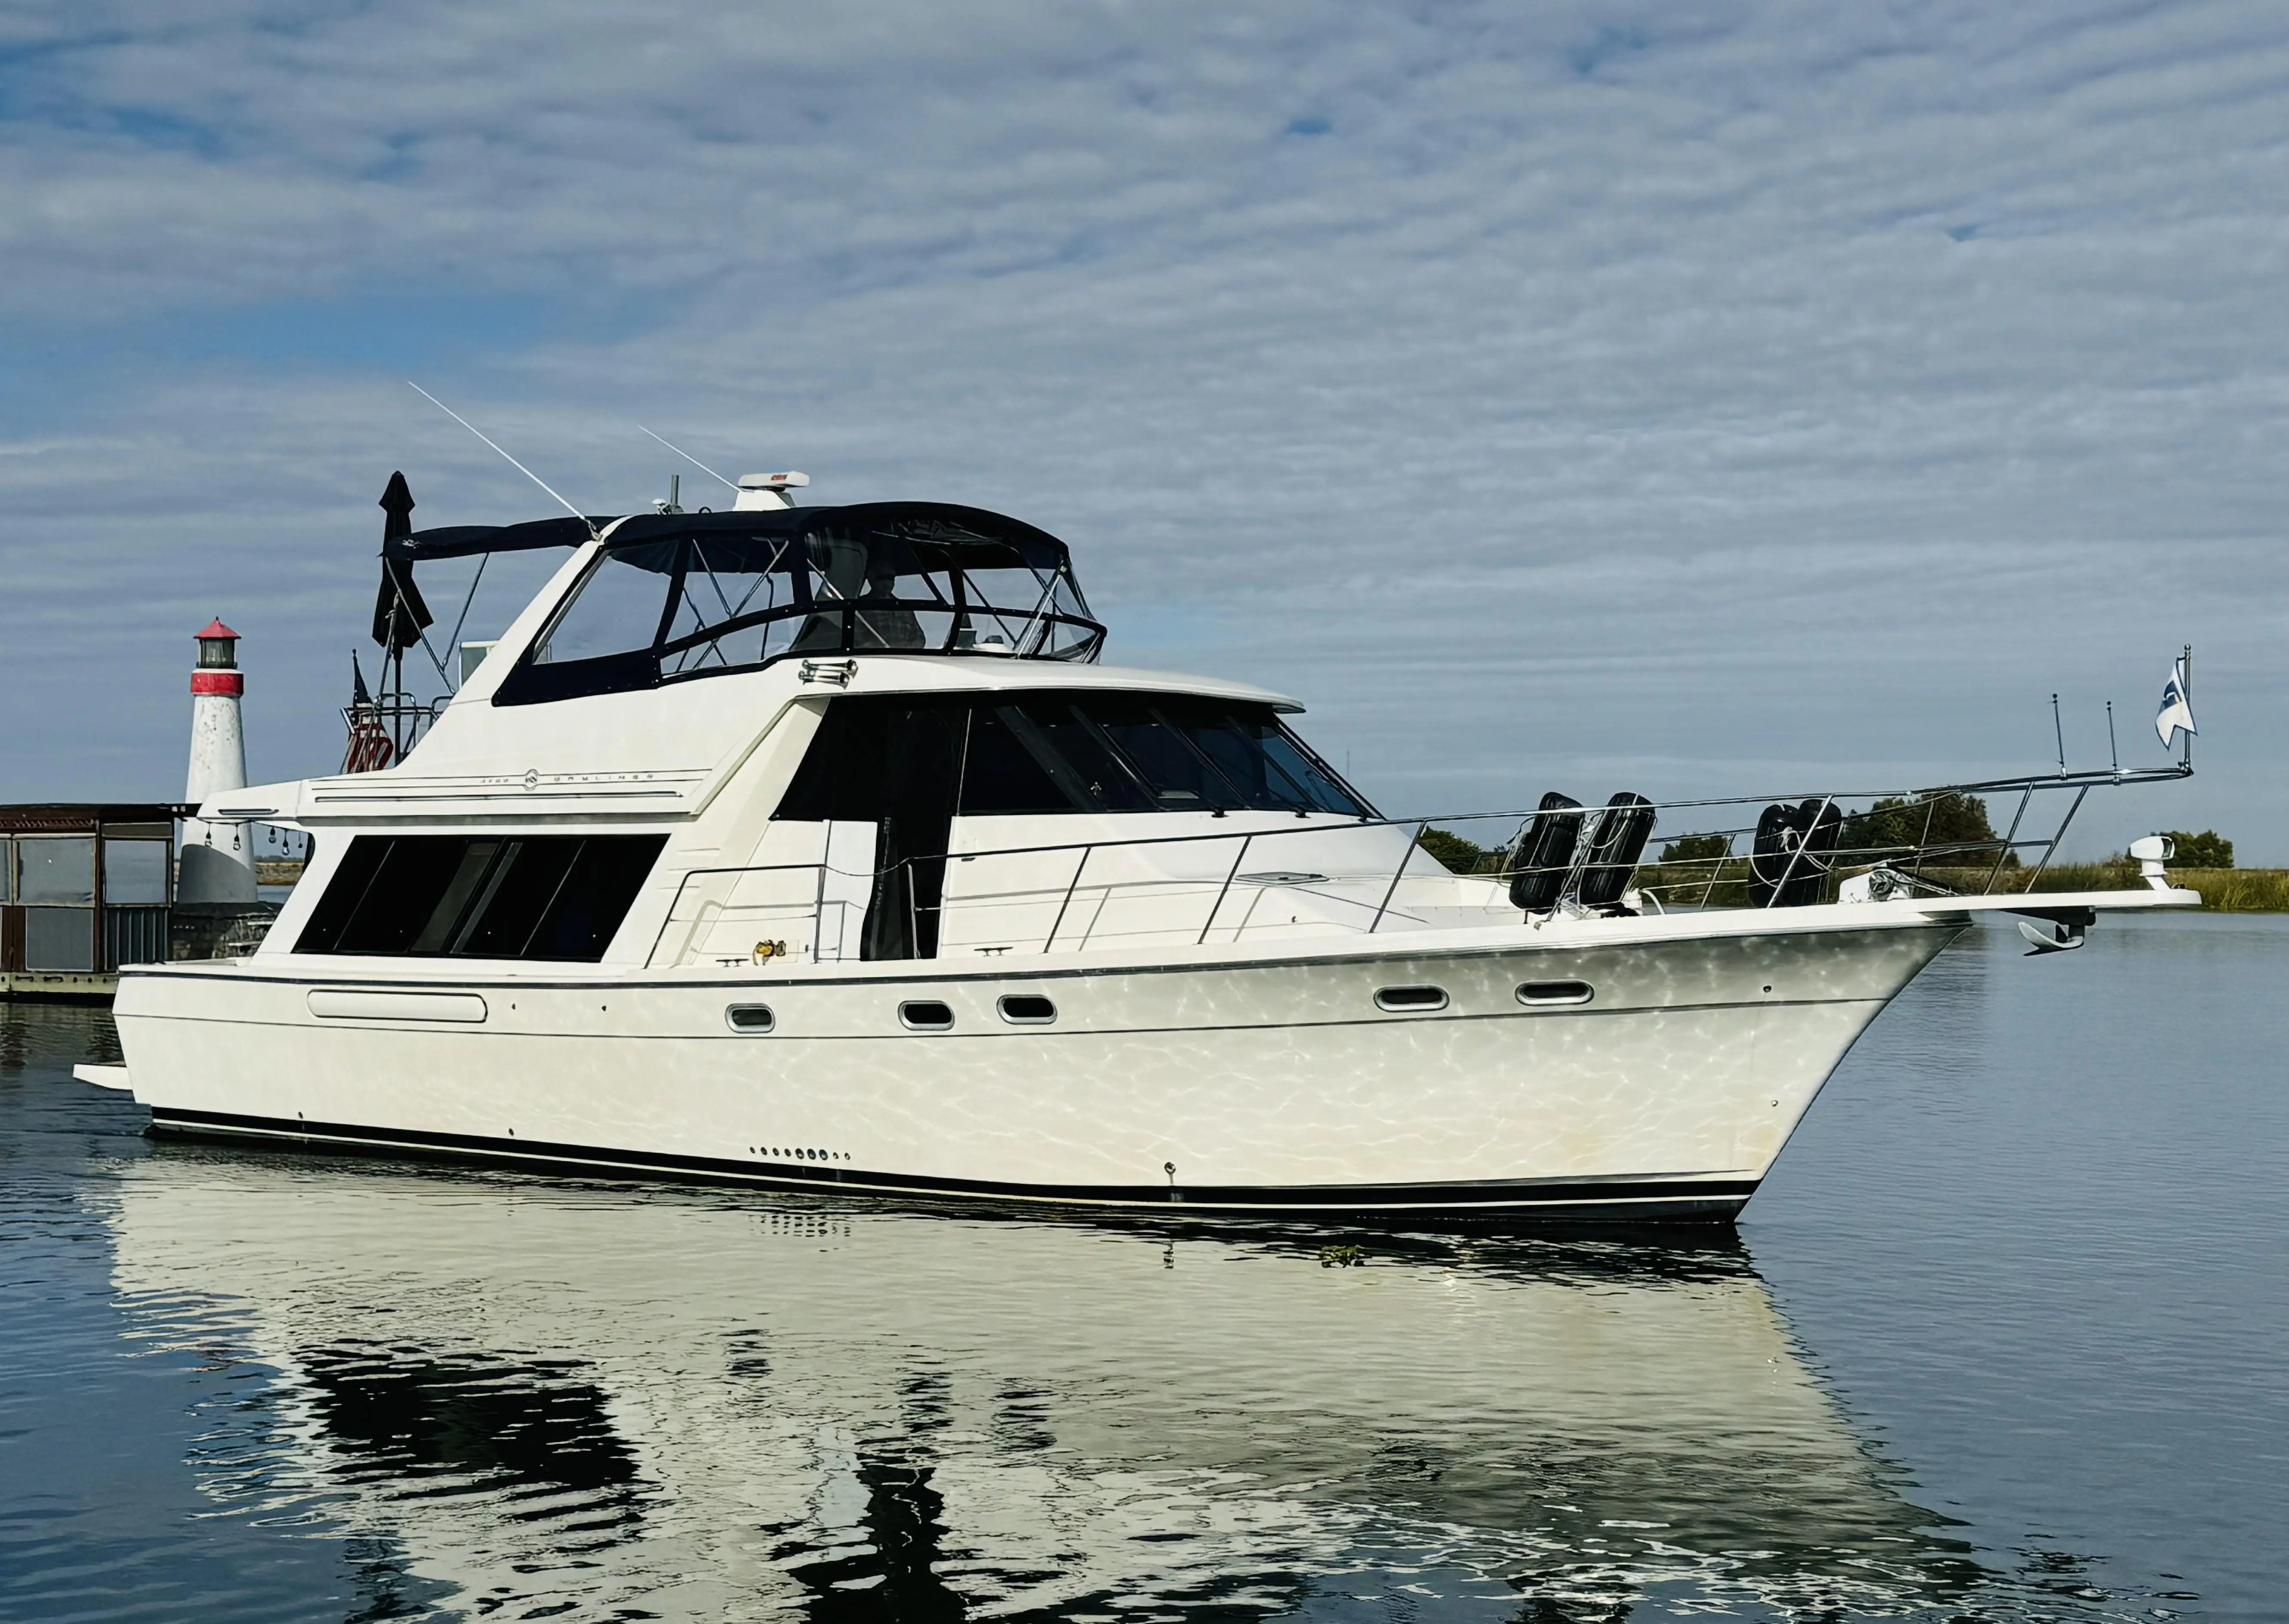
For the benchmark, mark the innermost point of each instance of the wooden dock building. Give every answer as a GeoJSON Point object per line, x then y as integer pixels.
{"type": "Point", "coordinates": [84, 887]}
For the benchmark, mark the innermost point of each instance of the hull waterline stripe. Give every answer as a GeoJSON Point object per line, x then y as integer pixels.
{"type": "Point", "coordinates": [1707, 1197]}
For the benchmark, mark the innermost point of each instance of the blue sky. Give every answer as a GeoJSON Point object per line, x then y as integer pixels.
{"type": "Point", "coordinates": [1691, 398]}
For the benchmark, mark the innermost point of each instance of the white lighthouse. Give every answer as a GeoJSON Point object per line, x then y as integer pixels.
{"type": "Point", "coordinates": [218, 861]}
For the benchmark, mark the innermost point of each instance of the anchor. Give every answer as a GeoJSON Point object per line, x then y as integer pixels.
{"type": "Point", "coordinates": [2062, 931]}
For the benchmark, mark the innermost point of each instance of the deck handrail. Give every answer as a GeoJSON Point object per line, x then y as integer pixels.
{"type": "Point", "coordinates": [1994, 854]}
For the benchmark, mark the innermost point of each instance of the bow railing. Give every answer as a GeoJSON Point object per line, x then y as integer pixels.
{"type": "Point", "coordinates": [1318, 874]}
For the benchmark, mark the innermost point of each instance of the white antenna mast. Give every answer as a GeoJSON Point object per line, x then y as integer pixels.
{"type": "Point", "coordinates": [513, 462]}
{"type": "Point", "coordinates": [689, 458]}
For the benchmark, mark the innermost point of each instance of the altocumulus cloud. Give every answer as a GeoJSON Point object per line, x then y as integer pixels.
{"type": "Point", "coordinates": [1680, 397]}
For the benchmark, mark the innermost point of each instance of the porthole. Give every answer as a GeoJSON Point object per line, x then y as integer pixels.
{"type": "Point", "coordinates": [1026, 1009]}
{"type": "Point", "coordinates": [749, 1018]}
{"type": "Point", "coordinates": [926, 1015]}
{"type": "Point", "coordinates": [1406, 1000]}
{"type": "Point", "coordinates": [1556, 992]}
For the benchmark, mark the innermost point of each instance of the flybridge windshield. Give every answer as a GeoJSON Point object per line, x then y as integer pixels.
{"type": "Point", "coordinates": [681, 596]}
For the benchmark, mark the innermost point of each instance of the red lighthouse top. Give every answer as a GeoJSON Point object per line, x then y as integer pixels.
{"type": "Point", "coordinates": [218, 665]}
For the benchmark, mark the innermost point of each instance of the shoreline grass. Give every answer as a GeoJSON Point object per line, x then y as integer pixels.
{"type": "Point", "coordinates": [2224, 890]}
{"type": "Point", "coordinates": [1687, 883]}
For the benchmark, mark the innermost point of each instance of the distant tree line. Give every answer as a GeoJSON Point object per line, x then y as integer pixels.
{"type": "Point", "coordinates": [1463, 856]}
{"type": "Point", "coordinates": [2207, 850]}
{"type": "Point", "coordinates": [1894, 824]}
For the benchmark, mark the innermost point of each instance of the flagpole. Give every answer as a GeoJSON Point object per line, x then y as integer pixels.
{"type": "Point", "coordinates": [2186, 687]}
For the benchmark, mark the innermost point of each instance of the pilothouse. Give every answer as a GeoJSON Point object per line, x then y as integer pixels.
{"type": "Point", "coordinates": [818, 846]}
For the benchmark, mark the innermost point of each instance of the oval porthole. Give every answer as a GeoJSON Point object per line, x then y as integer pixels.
{"type": "Point", "coordinates": [1026, 1009]}
{"type": "Point", "coordinates": [1556, 992]}
{"type": "Point", "coordinates": [749, 1018]}
{"type": "Point", "coordinates": [926, 1015]}
{"type": "Point", "coordinates": [1408, 1000]}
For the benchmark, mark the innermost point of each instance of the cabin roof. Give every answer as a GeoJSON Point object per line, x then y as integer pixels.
{"type": "Point", "coordinates": [892, 673]}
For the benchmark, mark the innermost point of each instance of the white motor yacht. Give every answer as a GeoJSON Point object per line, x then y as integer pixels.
{"type": "Point", "coordinates": [816, 847]}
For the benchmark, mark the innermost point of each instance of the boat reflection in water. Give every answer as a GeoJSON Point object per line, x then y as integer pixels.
{"type": "Point", "coordinates": [521, 1398]}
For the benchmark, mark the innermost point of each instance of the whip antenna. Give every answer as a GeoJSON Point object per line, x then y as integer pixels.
{"type": "Point", "coordinates": [689, 458]}
{"type": "Point", "coordinates": [513, 462]}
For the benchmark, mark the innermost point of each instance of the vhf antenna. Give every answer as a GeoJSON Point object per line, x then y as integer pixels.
{"type": "Point", "coordinates": [689, 458]}
{"type": "Point", "coordinates": [513, 462]}
{"type": "Point", "coordinates": [2110, 750]}
{"type": "Point", "coordinates": [2061, 734]}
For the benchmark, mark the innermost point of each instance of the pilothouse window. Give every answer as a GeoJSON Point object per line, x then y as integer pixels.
{"type": "Point", "coordinates": [1058, 750]}
{"type": "Point", "coordinates": [1001, 775]}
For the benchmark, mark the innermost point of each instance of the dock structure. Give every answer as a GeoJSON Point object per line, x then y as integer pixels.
{"type": "Point", "coordinates": [84, 887]}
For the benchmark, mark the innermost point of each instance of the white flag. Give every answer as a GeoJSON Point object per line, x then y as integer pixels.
{"type": "Point", "coordinates": [2175, 713]}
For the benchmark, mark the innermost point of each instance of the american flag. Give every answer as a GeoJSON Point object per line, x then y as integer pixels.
{"type": "Point", "coordinates": [370, 748]}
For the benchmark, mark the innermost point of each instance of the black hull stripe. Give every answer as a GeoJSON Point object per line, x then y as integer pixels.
{"type": "Point", "coordinates": [1625, 1199]}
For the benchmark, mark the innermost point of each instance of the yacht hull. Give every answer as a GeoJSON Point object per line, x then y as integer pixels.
{"type": "Point", "coordinates": [1273, 1086]}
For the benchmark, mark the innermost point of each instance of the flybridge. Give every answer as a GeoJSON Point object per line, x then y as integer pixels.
{"type": "Point", "coordinates": [672, 596]}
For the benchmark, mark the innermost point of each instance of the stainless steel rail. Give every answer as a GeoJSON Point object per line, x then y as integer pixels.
{"type": "Point", "coordinates": [1671, 882]}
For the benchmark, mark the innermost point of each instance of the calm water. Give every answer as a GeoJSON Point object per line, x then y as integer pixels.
{"type": "Point", "coordinates": [2006, 1336]}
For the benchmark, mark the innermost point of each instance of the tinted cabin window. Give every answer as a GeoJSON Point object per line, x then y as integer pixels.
{"type": "Point", "coordinates": [1001, 775]}
{"type": "Point", "coordinates": [1179, 775]}
{"type": "Point", "coordinates": [892, 761]}
{"type": "Point", "coordinates": [1059, 752]}
{"type": "Point", "coordinates": [1271, 763]}
{"type": "Point", "coordinates": [1195, 755]}
{"type": "Point", "coordinates": [1104, 780]}
{"type": "Point", "coordinates": [856, 766]}
{"type": "Point", "coordinates": [558, 898]}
